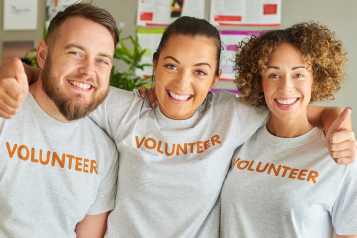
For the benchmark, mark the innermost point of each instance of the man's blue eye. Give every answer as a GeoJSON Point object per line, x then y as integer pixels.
{"type": "Point", "coordinates": [74, 53]}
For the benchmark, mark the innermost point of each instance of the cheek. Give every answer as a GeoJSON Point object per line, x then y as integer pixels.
{"type": "Point", "coordinates": [160, 85]}
{"type": "Point", "coordinates": [104, 78]}
{"type": "Point", "coordinates": [268, 88]}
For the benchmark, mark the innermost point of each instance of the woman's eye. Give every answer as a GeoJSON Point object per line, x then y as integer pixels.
{"type": "Point", "coordinates": [299, 76]}
{"type": "Point", "coordinates": [200, 72]}
{"type": "Point", "coordinates": [170, 66]}
{"type": "Point", "coordinates": [273, 76]}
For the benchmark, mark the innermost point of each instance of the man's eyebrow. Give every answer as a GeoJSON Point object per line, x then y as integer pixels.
{"type": "Point", "coordinates": [173, 58]}
{"type": "Point", "coordinates": [203, 63]}
{"type": "Point", "coordinates": [106, 55]}
{"type": "Point", "coordinates": [74, 46]}
{"type": "Point", "coordinates": [69, 46]}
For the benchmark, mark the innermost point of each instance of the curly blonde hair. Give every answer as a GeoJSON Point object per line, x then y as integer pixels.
{"type": "Point", "coordinates": [319, 47]}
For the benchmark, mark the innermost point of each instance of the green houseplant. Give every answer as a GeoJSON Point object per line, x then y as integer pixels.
{"type": "Point", "coordinates": [126, 80]}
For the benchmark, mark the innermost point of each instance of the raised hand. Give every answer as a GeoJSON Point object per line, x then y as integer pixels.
{"type": "Point", "coordinates": [13, 90]}
{"type": "Point", "coordinates": [341, 142]}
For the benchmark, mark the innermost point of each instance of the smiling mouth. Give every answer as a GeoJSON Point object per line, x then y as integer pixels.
{"type": "Point", "coordinates": [287, 102]}
{"type": "Point", "coordinates": [85, 86]}
{"type": "Point", "coordinates": [179, 97]}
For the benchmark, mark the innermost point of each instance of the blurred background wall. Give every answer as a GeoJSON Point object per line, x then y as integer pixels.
{"type": "Point", "coordinates": [339, 16]}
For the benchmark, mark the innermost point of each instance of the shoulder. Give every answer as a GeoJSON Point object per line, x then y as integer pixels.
{"type": "Point", "coordinates": [122, 97]}
{"type": "Point", "coordinates": [120, 94]}
{"type": "Point", "coordinates": [222, 97]}
{"type": "Point", "coordinates": [97, 136]}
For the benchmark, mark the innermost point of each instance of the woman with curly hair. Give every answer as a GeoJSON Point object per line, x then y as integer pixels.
{"type": "Point", "coordinates": [282, 182]}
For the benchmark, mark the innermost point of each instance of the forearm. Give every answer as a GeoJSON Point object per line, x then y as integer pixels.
{"type": "Point", "coordinates": [7, 71]}
{"type": "Point", "coordinates": [32, 73]}
{"type": "Point", "coordinates": [323, 117]}
{"type": "Point", "coordinates": [92, 226]}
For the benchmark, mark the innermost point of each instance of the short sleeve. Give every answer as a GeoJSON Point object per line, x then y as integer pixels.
{"type": "Point", "coordinates": [250, 119]}
{"type": "Point", "coordinates": [105, 198]}
{"type": "Point", "coordinates": [344, 210]}
{"type": "Point", "coordinates": [109, 114]}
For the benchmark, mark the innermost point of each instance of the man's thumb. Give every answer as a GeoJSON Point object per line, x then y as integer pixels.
{"type": "Point", "coordinates": [20, 74]}
{"type": "Point", "coordinates": [342, 118]}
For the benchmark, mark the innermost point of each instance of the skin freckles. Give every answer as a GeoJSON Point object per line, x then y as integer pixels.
{"type": "Point", "coordinates": [184, 73]}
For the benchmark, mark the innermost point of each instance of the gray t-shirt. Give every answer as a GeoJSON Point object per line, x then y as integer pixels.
{"type": "Point", "coordinates": [52, 174]}
{"type": "Point", "coordinates": [288, 187]}
{"type": "Point", "coordinates": [171, 171]}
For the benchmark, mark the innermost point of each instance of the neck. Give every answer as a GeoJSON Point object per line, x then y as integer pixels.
{"type": "Point", "coordinates": [289, 128]}
{"type": "Point", "coordinates": [45, 102]}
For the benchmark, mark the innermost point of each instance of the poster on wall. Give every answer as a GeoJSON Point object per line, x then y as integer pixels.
{"type": "Point", "coordinates": [12, 49]}
{"type": "Point", "coordinates": [54, 6]}
{"type": "Point", "coordinates": [245, 12]}
{"type": "Point", "coordinates": [149, 39]}
{"type": "Point", "coordinates": [231, 40]}
{"type": "Point", "coordinates": [20, 14]}
{"type": "Point", "coordinates": [164, 12]}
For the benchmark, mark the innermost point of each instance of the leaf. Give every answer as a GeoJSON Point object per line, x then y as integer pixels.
{"type": "Point", "coordinates": [44, 33]}
{"type": "Point", "coordinates": [124, 59]}
{"type": "Point", "coordinates": [125, 49]}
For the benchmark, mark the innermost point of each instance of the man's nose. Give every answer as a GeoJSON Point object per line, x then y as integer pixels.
{"type": "Point", "coordinates": [87, 69]}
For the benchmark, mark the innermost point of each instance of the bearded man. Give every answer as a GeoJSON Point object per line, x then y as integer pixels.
{"type": "Point", "coordinates": [58, 169]}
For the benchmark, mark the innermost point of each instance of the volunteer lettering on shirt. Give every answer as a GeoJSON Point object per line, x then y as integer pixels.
{"type": "Point", "coordinates": [201, 146]}
{"type": "Point", "coordinates": [23, 153]}
{"type": "Point", "coordinates": [294, 173]}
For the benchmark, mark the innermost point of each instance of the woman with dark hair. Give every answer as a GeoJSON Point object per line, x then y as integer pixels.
{"type": "Point", "coordinates": [282, 182]}
{"type": "Point", "coordinates": [173, 159]}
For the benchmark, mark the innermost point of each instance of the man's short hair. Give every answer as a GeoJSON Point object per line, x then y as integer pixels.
{"type": "Point", "coordinates": [87, 11]}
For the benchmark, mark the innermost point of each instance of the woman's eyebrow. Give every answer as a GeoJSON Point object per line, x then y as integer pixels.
{"type": "Point", "coordinates": [203, 63]}
{"type": "Point", "coordinates": [173, 58]}
{"type": "Point", "coordinates": [273, 67]}
{"type": "Point", "coordinates": [293, 68]}
{"type": "Point", "coordinates": [298, 67]}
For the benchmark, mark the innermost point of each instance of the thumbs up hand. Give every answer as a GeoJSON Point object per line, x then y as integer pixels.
{"type": "Point", "coordinates": [13, 89]}
{"type": "Point", "coordinates": [341, 142]}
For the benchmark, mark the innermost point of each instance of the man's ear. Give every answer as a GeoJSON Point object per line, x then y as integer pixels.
{"type": "Point", "coordinates": [216, 78]}
{"type": "Point", "coordinates": [42, 51]}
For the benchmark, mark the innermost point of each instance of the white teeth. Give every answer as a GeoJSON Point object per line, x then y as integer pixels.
{"type": "Point", "coordinates": [178, 97]}
{"type": "Point", "coordinates": [80, 85]}
{"type": "Point", "coordinates": [287, 102]}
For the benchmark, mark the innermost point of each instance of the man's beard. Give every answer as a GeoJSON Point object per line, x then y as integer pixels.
{"type": "Point", "coordinates": [70, 108]}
